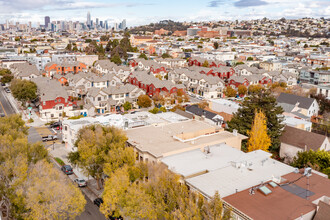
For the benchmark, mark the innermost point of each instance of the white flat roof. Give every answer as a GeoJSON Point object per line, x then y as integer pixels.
{"type": "Point", "coordinates": [231, 179]}
{"type": "Point", "coordinates": [226, 102]}
{"type": "Point", "coordinates": [291, 121]}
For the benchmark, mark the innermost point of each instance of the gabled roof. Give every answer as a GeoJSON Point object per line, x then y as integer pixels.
{"type": "Point", "coordinates": [301, 138]}
{"type": "Point", "coordinates": [200, 112]}
{"type": "Point", "coordinates": [304, 102]}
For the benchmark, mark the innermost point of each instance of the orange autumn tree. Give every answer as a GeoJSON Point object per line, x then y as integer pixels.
{"type": "Point", "coordinates": [259, 139]}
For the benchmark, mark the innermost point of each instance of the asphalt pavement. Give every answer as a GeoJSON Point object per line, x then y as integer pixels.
{"type": "Point", "coordinates": [91, 212]}
{"type": "Point", "coordinates": [5, 106]}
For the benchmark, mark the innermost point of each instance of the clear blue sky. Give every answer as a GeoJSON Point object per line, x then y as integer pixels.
{"type": "Point", "coordinates": [138, 12]}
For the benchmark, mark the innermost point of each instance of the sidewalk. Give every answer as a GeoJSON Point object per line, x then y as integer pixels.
{"type": "Point", "coordinates": [91, 190]}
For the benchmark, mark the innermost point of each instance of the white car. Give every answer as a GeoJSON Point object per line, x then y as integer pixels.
{"type": "Point", "coordinates": [80, 182]}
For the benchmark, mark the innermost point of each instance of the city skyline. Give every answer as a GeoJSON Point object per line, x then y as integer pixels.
{"type": "Point", "coordinates": [139, 13]}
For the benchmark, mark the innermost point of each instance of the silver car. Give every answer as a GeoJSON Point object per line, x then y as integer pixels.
{"type": "Point", "coordinates": [80, 182]}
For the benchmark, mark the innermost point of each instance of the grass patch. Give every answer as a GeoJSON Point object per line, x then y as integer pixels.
{"type": "Point", "coordinates": [59, 161]}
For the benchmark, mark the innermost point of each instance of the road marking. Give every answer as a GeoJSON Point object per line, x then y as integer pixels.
{"type": "Point", "coordinates": [3, 108]}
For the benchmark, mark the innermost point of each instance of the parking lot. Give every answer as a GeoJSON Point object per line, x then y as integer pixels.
{"type": "Point", "coordinates": [36, 133]}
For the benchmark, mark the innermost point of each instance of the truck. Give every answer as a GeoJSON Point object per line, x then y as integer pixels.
{"type": "Point", "coordinates": [49, 138]}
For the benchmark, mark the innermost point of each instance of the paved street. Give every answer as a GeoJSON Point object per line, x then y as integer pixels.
{"type": "Point", "coordinates": [91, 212]}
{"type": "Point", "coordinates": [5, 106]}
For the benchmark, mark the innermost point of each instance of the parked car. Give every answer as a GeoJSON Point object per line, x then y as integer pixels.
{"type": "Point", "coordinates": [98, 201]}
{"type": "Point", "coordinates": [55, 124]}
{"type": "Point", "coordinates": [67, 169]}
{"type": "Point", "coordinates": [2, 115]}
{"type": "Point", "coordinates": [80, 182]}
{"type": "Point", "coordinates": [49, 138]}
{"type": "Point", "coordinates": [7, 90]}
{"type": "Point", "coordinates": [3, 84]}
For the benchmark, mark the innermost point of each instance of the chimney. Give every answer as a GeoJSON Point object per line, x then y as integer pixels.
{"type": "Point", "coordinates": [305, 147]}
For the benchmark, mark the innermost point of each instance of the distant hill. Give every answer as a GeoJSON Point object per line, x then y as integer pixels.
{"type": "Point", "coordinates": [166, 24]}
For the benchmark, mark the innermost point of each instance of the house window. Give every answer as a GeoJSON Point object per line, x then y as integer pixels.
{"type": "Point", "coordinates": [65, 128]}
{"type": "Point", "coordinates": [110, 96]}
{"type": "Point", "coordinates": [98, 98]}
{"type": "Point", "coordinates": [59, 100]}
{"type": "Point", "coordinates": [52, 115]}
{"type": "Point", "coordinates": [127, 94]}
{"type": "Point", "coordinates": [55, 101]}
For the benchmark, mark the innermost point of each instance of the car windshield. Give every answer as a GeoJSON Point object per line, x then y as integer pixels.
{"type": "Point", "coordinates": [81, 181]}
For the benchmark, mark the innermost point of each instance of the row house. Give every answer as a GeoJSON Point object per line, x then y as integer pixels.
{"type": "Point", "coordinates": [172, 63]}
{"type": "Point", "coordinates": [207, 86]}
{"type": "Point", "coordinates": [196, 61]}
{"type": "Point", "coordinates": [24, 71]}
{"type": "Point", "coordinates": [223, 72]}
{"type": "Point", "coordinates": [54, 100]}
{"type": "Point", "coordinates": [112, 98]}
{"type": "Point", "coordinates": [149, 65]}
{"type": "Point", "coordinates": [152, 85]}
{"type": "Point", "coordinates": [64, 68]}
{"type": "Point", "coordinates": [254, 79]}
{"type": "Point", "coordinates": [314, 77]}
{"type": "Point", "coordinates": [245, 70]}
{"type": "Point", "coordinates": [321, 61]}
{"type": "Point", "coordinates": [81, 83]}
{"type": "Point", "coordinates": [106, 67]}
{"type": "Point", "coordinates": [289, 78]}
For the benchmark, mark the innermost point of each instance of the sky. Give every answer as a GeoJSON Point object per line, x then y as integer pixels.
{"type": "Point", "coordinates": [139, 12]}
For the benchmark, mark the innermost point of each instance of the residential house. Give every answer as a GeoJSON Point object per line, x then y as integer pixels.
{"type": "Point", "coordinates": [179, 137]}
{"type": "Point", "coordinates": [152, 85]}
{"type": "Point", "coordinates": [203, 114]}
{"type": "Point", "coordinates": [294, 140]}
{"type": "Point", "coordinates": [64, 68]}
{"type": "Point", "coordinates": [24, 71]}
{"type": "Point", "coordinates": [53, 99]}
{"type": "Point", "coordinates": [112, 98]}
{"type": "Point", "coordinates": [298, 106]}
{"type": "Point", "coordinates": [295, 196]}
{"type": "Point", "coordinates": [324, 90]}
{"type": "Point", "coordinates": [208, 86]}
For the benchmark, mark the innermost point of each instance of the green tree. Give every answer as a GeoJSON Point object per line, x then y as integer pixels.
{"type": "Point", "coordinates": [127, 106]}
{"type": "Point", "coordinates": [6, 75]}
{"type": "Point", "coordinates": [205, 64]}
{"type": "Point", "coordinates": [99, 149]}
{"type": "Point", "coordinates": [166, 55]}
{"type": "Point", "coordinates": [162, 196]}
{"type": "Point", "coordinates": [242, 90]}
{"type": "Point", "coordinates": [318, 160]}
{"type": "Point", "coordinates": [104, 38]}
{"type": "Point", "coordinates": [243, 119]}
{"type": "Point", "coordinates": [216, 45]}
{"type": "Point", "coordinates": [69, 47]}
{"type": "Point", "coordinates": [23, 90]}
{"type": "Point", "coordinates": [306, 45]}
{"type": "Point", "coordinates": [143, 56]}
{"type": "Point", "coordinates": [230, 92]}
{"type": "Point", "coordinates": [144, 101]}
{"type": "Point", "coordinates": [255, 88]}
{"type": "Point", "coordinates": [258, 137]}
{"type": "Point", "coordinates": [29, 182]}
{"type": "Point", "coordinates": [116, 59]}
{"type": "Point", "coordinates": [249, 59]}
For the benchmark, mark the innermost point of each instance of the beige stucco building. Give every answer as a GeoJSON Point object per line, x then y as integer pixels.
{"type": "Point", "coordinates": [151, 143]}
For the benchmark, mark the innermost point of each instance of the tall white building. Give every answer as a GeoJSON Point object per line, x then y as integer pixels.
{"type": "Point", "coordinates": [89, 19]}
